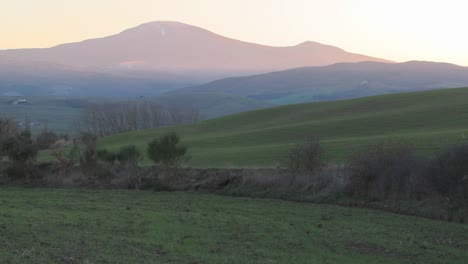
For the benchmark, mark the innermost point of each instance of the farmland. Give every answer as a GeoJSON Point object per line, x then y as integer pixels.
{"type": "Point", "coordinates": [90, 226]}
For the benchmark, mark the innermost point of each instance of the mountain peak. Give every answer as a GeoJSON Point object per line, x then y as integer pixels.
{"type": "Point", "coordinates": [309, 43]}
{"type": "Point", "coordinates": [177, 47]}
{"type": "Point", "coordinates": [162, 27]}
{"type": "Point", "coordinates": [157, 24]}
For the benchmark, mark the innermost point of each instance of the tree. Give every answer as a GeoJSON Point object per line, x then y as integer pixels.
{"type": "Point", "coordinates": [167, 152]}
{"type": "Point", "coordinates": [22, 152]}
{"type": "Point", "coordinates": [8, 129]}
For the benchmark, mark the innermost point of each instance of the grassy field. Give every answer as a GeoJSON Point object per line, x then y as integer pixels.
{"type": "Point", "coordinates": [429, 120]}
{"type": "Point", "coordinates": [51, 112]}
{"type": "Point", "coordinates": [86, 226]}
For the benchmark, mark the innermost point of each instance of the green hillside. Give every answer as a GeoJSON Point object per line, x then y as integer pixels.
{"type": "Point", "coordinates": [54, 112]}
{"type": "Point", "coordinates": [210, 105]}
{"type": "Point", "coordinates": [262, 138]}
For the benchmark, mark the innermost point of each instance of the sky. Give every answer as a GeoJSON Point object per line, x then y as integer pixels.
{"type": "Point", "coordinates": [399, 30]}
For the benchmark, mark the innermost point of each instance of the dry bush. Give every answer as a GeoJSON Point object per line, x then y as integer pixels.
{"type": "Point", "coordinates": [63, 161]}
{"type": "Point", "coordinates": [61, 143]}
{"type": "Point", "coordinates": [71, 177]}
{"type": "Point", "coordinates": [306, 157]}
{"type": "Point", "coordinates": [448, 173]}
{"type": "Point", "coordinates": [326, 183]}
{"type": "Point", "coordinates": [46, 138]}
{"type": "Point", "coordinates": [386, 170]}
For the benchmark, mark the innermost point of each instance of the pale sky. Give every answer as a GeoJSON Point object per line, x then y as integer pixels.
{"type": "Point", "coordinates": [399, 30]}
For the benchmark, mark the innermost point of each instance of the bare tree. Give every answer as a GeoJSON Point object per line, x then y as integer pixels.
{"type": "Point", "coordinates": [118, 117]}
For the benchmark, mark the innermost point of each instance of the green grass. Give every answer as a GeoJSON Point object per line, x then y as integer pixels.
{"type": "Point", "coordinates": [87, 226]}
{"type": "Point", "coordinates": [50, 111]}
{"type": "Point", "coordinates": [429, 120]}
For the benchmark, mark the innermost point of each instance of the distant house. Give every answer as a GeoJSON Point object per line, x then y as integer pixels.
{"type": "Point", "coordinates": [31, 124]}
{"type": "Point", "coordinates": [19, 101]}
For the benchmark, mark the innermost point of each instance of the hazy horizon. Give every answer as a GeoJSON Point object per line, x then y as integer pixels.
{"type": "Point", "coordinates": [397, 30]}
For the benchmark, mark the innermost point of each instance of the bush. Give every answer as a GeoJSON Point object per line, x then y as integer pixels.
{"type": "Point", "coordinates": [106, 156]}
{"type": "Point", "coordinates": [129, 155]}
{"type": "Point", "coordinates": [168, 153]}
{"type": "Point", "coordinates": [22, 153]}
{"type": "Point", "coordinates": [88, 157]}
{"type": "Point", "coordinates": [306, 157]}
{"type": "Point", "coordinates": [46, 138]}
{"type": "Point", "coordinates": [8, 129]}
{"type": "Point", "coordinates": [448, 172]}
{"type": "Point", "coordinates": [386, 170]}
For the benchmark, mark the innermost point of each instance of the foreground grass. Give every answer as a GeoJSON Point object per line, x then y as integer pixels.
{"type": "Point", "coordinates": [87, 226]}
{"type": "Point", "coordinates": [429, 120]}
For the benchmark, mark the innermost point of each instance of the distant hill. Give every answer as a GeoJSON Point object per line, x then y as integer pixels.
{"type": "Point", "coordinates": [39, 78]}
{"type": "Point", "coordinates": [340, 81]}
{"type": "Point", "coordinates": [429, 120]}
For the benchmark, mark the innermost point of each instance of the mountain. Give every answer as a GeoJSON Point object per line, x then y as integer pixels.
{"type": "Point", "coordinates": [340, 81]}
{"type": "Point", "coordinates": [174, 48]}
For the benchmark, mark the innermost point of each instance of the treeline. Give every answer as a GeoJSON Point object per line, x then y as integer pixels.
{"type": "Point", "coordinates": [110, 118]}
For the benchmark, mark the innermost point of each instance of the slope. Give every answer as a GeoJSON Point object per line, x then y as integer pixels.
{"type": "Point", "coordinates": [210, 105]}
{"type": "Point", "coordinates": [262, 138]}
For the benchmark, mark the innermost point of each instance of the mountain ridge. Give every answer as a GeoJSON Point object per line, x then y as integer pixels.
{"type": "Point", "coordinates": [176, 46]}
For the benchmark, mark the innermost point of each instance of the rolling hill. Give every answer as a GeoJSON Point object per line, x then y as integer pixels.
{"type": "Point", "coordinates": [340, 81]}
{"type": "Point", "coordinates": [427, 119]}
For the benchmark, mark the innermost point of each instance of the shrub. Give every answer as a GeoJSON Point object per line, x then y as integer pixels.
{"type": "Point", "coordinates": [64, 161]}
{"type": "Point", "coordinates": [88, 157]}
{"type": "Point", "coordinates": [106, 156]}
{"type": "Point", "coordinates": [168, 153]}
{"type": "Point", "coordinates": [22, 153]}
{"type": "Point", "coordinates": [306, 157]}
{"type": "Point", "coordinates": [129, 155]}
{"type": "Point", "coordinates": [8, 129]}
{"type": "Point", "coordinates": [46, 138]}
{"type": "Point", "coordinates": [448, 172]}
{"type": "Point", "coordinates": [386, 170]}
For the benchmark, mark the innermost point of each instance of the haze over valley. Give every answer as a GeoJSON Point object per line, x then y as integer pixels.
{"type": "Point", "coordinates": [178, 64]}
